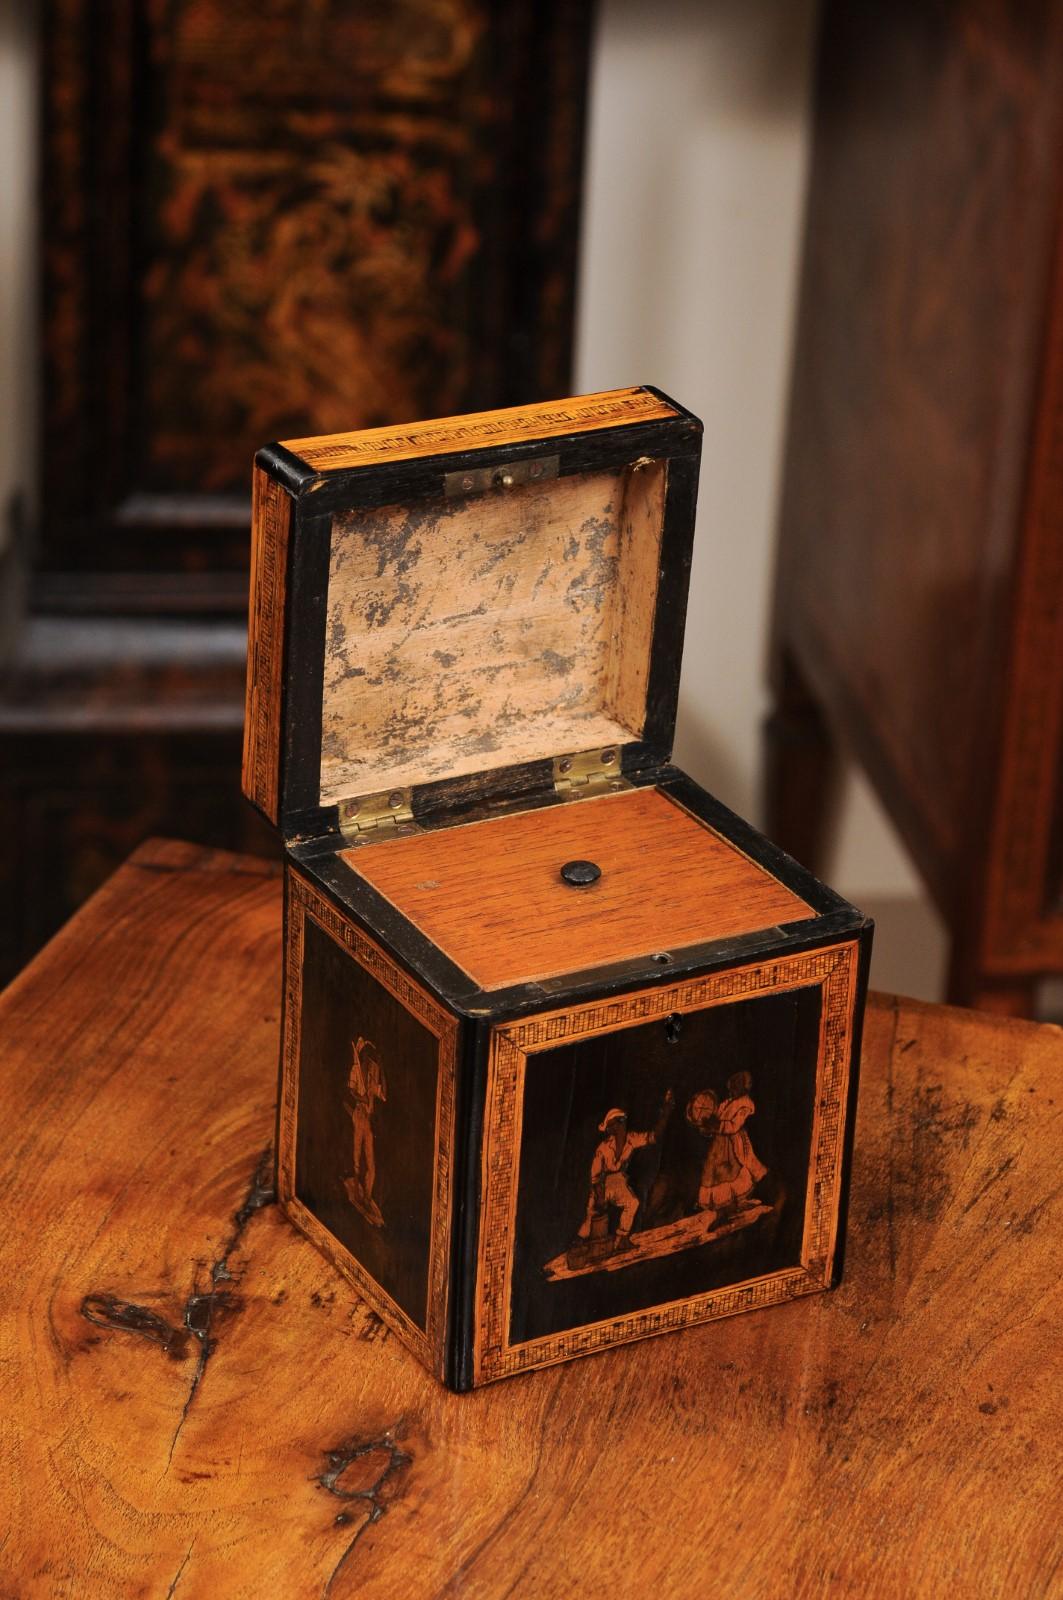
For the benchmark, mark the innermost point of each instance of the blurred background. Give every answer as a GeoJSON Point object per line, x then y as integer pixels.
{"type": "Point", "coordinates": [828, 229]}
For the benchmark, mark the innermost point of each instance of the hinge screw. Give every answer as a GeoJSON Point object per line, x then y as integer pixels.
{"type": "Point", "coordinates": [565, 765]}
{"type": "Point", "coordinates": [608, 757]}
{"type": "Point", "coordinates": [395, 800]}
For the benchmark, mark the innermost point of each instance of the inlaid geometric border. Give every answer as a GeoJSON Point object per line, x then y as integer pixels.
{"type": "Point", "coordinates": [306, 903]}
{"type": "Point", "coordinates": [834, 970]}
{"type": "Point", "coordinates": [481, 429]}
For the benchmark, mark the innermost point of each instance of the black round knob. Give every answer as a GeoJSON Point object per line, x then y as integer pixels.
{"type": "Point", "coordinates": [579, 873]}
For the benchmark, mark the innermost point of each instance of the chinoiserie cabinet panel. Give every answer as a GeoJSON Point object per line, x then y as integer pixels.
{"type": "Point", "coordinates": [256, 221]}
{"type": "Point", "coordinates": [266, 221]}
{"type": "Point", "coordinates": [919, 604]}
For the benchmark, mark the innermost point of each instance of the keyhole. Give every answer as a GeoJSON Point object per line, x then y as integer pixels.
{"type": "Point", "coordinates": [673, 1027]}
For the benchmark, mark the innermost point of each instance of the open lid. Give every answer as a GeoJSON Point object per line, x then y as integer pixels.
{"type": "Point", "coordinates": [451, 611]}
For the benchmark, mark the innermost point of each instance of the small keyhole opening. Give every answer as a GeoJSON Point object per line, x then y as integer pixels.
{"type": "Point", "coordinates": [673, 1027]}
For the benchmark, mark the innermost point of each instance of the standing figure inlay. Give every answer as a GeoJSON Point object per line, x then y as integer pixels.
{"type": "Point", "coordinates": [609, 1179]}
{"type": "Point", "coordinates": [365, 1086]}
{"type": "Point", "coordinates": [732, 1169]}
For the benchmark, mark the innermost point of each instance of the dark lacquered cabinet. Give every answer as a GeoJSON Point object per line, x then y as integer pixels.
{"type": "Point", "coordinates": [255, 222]}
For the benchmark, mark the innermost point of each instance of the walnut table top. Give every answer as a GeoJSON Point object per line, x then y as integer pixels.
{"type": "Point", "coordinates": [194, 1404]}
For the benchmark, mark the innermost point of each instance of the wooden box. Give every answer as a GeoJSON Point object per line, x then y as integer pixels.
{"type": "Point", "coordinates": [569, 1050]}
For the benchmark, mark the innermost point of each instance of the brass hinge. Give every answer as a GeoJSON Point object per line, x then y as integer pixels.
{"type": "Point", "coordinates": [589, 772]}
{"type": "Point", "coordinates": [512, 475]}
{"type": "Point", "coordinates": [375, 813]}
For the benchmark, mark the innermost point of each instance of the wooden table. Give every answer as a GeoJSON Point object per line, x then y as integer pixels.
{"type": "Point", "coordinates": [195, 1405]}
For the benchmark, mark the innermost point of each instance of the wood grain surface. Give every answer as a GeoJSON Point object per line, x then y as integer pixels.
{"type": "Point", "coordinates": [195, 1405]}
{"type": "Point", "coordinates": [491, 896]}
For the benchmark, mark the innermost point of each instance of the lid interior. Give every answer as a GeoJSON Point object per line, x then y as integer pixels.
{"type": "Point", "coordinates": [494, 629]}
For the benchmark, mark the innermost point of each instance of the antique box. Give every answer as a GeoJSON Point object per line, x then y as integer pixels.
{"type": "Point", "coordinates": [569, 1051]}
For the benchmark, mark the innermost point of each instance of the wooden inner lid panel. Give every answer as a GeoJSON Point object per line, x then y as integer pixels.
{"type": "Point", "coordinates": [490, 894]}
{"type": "Point", "coordinates": [506, 627]}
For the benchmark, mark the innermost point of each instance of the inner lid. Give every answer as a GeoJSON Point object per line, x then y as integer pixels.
{"type": "Point", "coordinates": [492, 897]}
{"type": "Point", "coordinates": [494, 629]}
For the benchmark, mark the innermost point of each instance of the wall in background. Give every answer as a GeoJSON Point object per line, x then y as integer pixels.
{"type": "Point", "coordinates": [697, 162]}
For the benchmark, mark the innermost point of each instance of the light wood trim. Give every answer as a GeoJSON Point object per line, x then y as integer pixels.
{"type": "Point", "coordinates": [306, 903]}
{"type": "Point", "coordinates": [481, 430]}
{"type": "Point", "coordinates": [271, 509]}
{"type": "Point", "coordinates": [640, 530]}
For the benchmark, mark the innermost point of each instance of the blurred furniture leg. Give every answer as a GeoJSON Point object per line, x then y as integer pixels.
{"type": "Point", "coordinates": [801, 766]}
{"type": "Point", "coordinates": [919, 599]}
